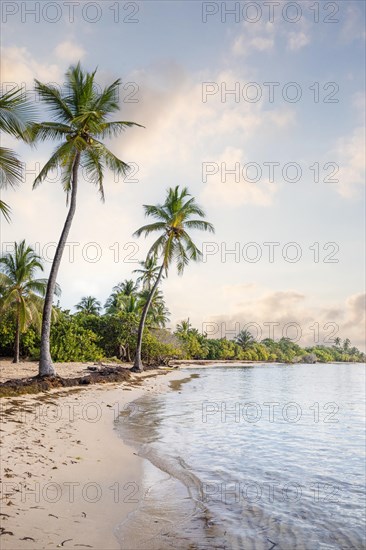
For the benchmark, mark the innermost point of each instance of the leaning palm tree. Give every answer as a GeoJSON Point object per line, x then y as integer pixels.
{"type": "Point", "coordinates": [15, 113]}
{"type": "Point", "coordinates": [80, 122]}
{"type": "Point", "coordinates": [173, 221]}
{"type": "Point", "coordinates": [89, 305]}
{"type": "Point", "coordinates": [21, 293]}
{"type": "Point", "coordinates": [148, 273]}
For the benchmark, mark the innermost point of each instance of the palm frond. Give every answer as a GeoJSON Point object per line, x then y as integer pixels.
{"type": "Point", "coordinates": [60, 157]}
{"type": "Point", "coordinates": [156, 211]}
{"type": "Point", "coordinates": [52, 97]}
{"type": "Point", "coordinates": [94, 169]}
{"type": "Point", "coordinates": [11, 168]}
{"type": "Point", "coordinates": [111, 161]}
{"type": "Point", "coordinates": [150, 228]}
{"type": "Point", "coordinates": [49, 130]}
{"type": "Point", "coordinates": [195, 253]}
{"type": "Point", "coordinates": [5, 210]}
{"type": "Point", "coordinates": [115, 128]}
{"type": "Point", "coordinates": [192, 208]}
{"type": "Point", "coordinates": [174, 218]}
{"type": "Point", "coordinates": [107, 101]}
{"type": "Point", "coordinates": [182, 258]}
{"type": "Point", "coordinates": [200, 224]}
{"type": "Point", "coordinates": [16, 112]}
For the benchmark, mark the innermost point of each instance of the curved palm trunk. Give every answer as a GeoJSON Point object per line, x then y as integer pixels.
{"type": "Point", "coordinates": [46, 367]}
{"type": "Point", "coordinates": [138, 366]}
{"type": "Point", "coordinates": [17, 339]}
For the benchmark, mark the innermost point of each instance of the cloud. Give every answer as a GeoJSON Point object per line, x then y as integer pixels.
{"type": "Point", "coordinates": [233, 189]}
{"type": "Point", "coordinates": [297, 40]}
{"type": "Point", "coordinates": [242, 46]}
{"type": "Point", "coordinates": [254, 38]}
{"type": "Point", "coordinates": [19, 67]}
{"type": "Point", "coordinates": [350, 155]}
{"type": "Point", "coordinates": [266, 36]}
{"type": "Point", "coordinates": [354, 23]}
{"type": "Point", "coordinates": [190, 120]}
{"type": "Point", "coordinates": [263, 309]}
{"type": "Point", "coordinates": [359, 102]}
{"type": "Point", "coordinates": [69, 51]}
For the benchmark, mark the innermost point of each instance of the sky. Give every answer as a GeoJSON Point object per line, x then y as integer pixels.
{"type": "Point", "coordinates": [258, 108]}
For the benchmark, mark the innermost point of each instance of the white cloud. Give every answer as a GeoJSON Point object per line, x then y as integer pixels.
{"type": "Point", "coordinates": [265, 36]}
{"type": "Point", "coordinates": [353, 20]}
{"type": "Point", "coordinates": [350, 155]}
{"type": "Point", "coordinates": [19, 66]}
{"type": "Point", "coordinates": [259, 37]}
{"type": "Point", "coordinates": [69, 51]}
{"type": "Point", "coordinates": [297, 40]}
{"type": "Point", "coordinates": [315, 323]}
{"type": "Point", "coordinates": [187, 127]}
{"type": "Point", "coordinates": [235, 189]}
{"type": "Point", "coordinates": [242, 46]}
{"type": "Point", "coordinates": [359, 102]}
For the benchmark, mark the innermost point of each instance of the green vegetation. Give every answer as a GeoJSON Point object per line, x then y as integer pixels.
{"type": "Point", "coordinates": [88, 335]}
{"type": "Point", "coordinates": [21, 294]}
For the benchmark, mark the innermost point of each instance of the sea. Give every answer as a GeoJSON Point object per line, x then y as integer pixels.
{"type": "Point", "coordinates": [257, 457]}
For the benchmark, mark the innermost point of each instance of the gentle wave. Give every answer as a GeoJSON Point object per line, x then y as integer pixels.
{"type": "Point", "coordinates": [208, 483]}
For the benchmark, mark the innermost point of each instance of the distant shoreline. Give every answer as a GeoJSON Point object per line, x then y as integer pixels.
{"type": "Point", "coordinates": [191, 363]}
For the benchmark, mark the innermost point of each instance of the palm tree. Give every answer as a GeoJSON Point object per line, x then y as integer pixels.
{"type": "Point", "coordinates": [15, 112]}
{"type": "Point", "coordinates": [346, 344]}
{"type": "Point", "coordinates": [131, 304]}
{"type": "Point", "coordinates": [21, 293]}
{"type": "Point", "coordinates": [89, 305]}
{"type": "Point", "coordinates": [183, 328]}
{"type": "Point", "coordinates": [337, 342]}
{"type": "Point", "coordinates": [148, 272]}
{"type": "Point", "coordinates": [174, 244]}
{"type": "Point", "coordinates": [128, 287]}
{"type": "Point", "coordinates": [158, 314]}
{"type": "Point", "coordinates": [244, 339]}
{"type": "Point", "coordinates": [81, 116]}
{"type": "Point", "coordinates": [117, 300]}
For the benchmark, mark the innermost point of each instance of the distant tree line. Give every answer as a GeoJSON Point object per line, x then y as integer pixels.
{"type": "Point", "coordinates": [90, 335]}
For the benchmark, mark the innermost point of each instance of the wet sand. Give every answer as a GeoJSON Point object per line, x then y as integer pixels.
{"type": "Point", "coordinates": [68, 480]}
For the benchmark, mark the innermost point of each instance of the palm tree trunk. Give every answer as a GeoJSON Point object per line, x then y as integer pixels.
{"type": "Point", "coordinates": [138, 366]}
{"type": "Point", "coordinates": [17, 340]}
{"type": "Point", "coordinates": [46, 367]}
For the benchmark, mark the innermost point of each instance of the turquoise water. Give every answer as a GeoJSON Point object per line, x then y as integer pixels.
{"type": "Point", "coordinates": [260, 457]}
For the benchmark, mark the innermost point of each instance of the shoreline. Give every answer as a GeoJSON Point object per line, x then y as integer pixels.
{"type": "Point", "coordinates": [68, 478]}
{"type": "Point", "coordinates": [203, 363]}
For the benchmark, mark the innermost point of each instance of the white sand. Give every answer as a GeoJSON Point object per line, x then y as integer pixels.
{"type": "Point", "coordinates": [65, 472]}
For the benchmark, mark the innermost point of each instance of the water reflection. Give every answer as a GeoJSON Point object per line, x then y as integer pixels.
{"type": "Point", "coordinates": [292, 478]}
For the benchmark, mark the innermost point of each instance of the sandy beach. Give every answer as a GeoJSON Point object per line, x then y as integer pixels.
{"type": "Point", "coordinates": [67, 478]}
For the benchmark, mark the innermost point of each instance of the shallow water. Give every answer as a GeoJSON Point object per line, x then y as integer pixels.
{"type": "Point", "coordinates": [260, 457]}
